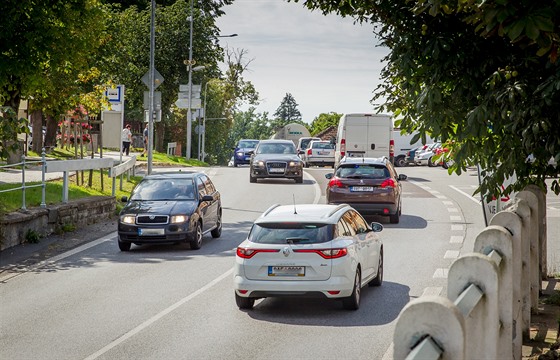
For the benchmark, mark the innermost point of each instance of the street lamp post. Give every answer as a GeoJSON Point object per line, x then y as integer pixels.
{"type": "Point", "coordinates": [189, 115]}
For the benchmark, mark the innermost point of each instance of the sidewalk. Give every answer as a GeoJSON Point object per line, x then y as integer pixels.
{"type": "Point", "coordinates": [34, 174]}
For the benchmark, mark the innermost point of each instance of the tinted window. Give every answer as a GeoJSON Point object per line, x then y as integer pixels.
{"type": "Point", "coordinates": [361, 225]}
{"type": "Point", "coordinates": [347, 218]}
{"type": "Point", "coordinates": [276, 148]}
{"type": "Point", "coordinates": [164, 189]}
{"type": "Point", "coordinates": [247, 144]}
{"type": "Point", "coordinates": [291, 233]}
{"type": "Point", "coordinates": [200, 187]}
{"type": "Point", "coordinates": [342, 228]}
{"type": "Point", "coordinates": [366, 171]}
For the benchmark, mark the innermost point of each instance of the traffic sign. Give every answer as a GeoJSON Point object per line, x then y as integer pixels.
{"type": "Point", "coordinates": [184, 103]}
{"type": "Point", "coordinates": [157, 100]}
{"type": "Point", "coordinates": [158, 78]}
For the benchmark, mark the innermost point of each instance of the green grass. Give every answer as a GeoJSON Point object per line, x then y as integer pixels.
{"type": "Point", "coordinates": [12, 200]}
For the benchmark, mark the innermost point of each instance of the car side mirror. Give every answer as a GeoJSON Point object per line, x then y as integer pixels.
{"type": "Point", "coordinates": [403, 177]}
{"type": "Point", "coordinates": [250, 152]}
{"type": "Point", "coordinates": [207, 198]}
{"type": "Point", "coordinates": [376, 227]}
{"type": "Point", "coordinates": [124, 199]}
{"type": "Point", "coordinates": [329, 175]}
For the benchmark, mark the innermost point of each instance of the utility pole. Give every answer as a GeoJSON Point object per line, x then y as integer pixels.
{"type": "Point", "coordinates": [190, 64]}
{"type": "Point", "coordinates": [152, 83]}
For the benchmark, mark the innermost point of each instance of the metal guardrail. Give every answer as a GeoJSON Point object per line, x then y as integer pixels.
{"type": "Point", "coordinates": [24, 185]}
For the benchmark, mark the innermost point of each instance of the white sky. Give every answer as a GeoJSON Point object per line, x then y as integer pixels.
{"type": "Point", "coordinates": [326, 62]}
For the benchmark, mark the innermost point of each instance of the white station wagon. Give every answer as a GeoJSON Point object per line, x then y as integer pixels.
{"type": "Point", "coordinates": [308, 250]}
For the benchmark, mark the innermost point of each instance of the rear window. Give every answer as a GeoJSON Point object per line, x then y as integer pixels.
{"type": "Point", "coordinates": [291, 233]}
{"type": "Point", "coordinates": [362, 171]}
{"type": "Point", "coordinates": [324, 145]}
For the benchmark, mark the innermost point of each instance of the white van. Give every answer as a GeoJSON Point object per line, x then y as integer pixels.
{"type": "Point", "coordinates": [364, 135]}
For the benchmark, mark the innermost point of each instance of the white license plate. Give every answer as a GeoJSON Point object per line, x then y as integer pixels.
{"type": "Point", "coordinates": [361, 188]}
{"type": "Point", "coordinates": [276, 170]}
{"type": "Point", "coordinates": [323, 153]}
{"type": "Point", "coordinates": [286, 271]}
{"type": "Point", "coordinates": [148, 232]}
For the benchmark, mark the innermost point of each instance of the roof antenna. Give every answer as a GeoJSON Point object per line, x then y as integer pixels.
{"type": "Point", "coordinates": [295, 211]}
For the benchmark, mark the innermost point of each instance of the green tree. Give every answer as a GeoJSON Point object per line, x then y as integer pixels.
{"type": "Point", "coordinates": [482, 76]}
{"type": "Point", "coordinates": [288, 111]}
{"type": "Point", "coordinates": [324, 121]}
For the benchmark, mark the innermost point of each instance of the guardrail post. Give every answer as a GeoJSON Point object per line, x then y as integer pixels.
{"type": "Point", "coordinates": [533, 238]}
{"type": "Point", "coordinates": [482, 323]}
{"type": "Point", "coordinates": [23, 182]}
{"type": "Point", "coordinates": [43, 182]}
{"type": "Point", "coordinates": [509, 219]}
{"type": "Point", "coordinates": [498, 238]}
{"type": "Point", "coordinates": [541, 223]}
{"type": "Point", "coordinates": [435, 316]}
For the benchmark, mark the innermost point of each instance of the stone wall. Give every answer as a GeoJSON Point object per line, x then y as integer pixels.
{"type": "Point", "coordinates": [45, 221]}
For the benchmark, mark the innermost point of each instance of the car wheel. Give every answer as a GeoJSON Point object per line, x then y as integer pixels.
{"type": "Point", "coordinates": [400, 161]}
{"type": "Point", "coordinates": [353, 301]}
{"type": "Point", "coordinates": [378, 280]}
{"type": "Point", "coordinates": [244, 302]}
{"type": "Point", "coordinates": [217, 232]}
{"type": "Point", "coordinates": [431, 163]}
{"type": "Point", "coordinates": [196, 243]}
{"type": "Point", "coordinates": [124, 246]}
{"type": "Point", "coordinates": [252, 179]}
{"type": "Point", "coordinates": [394, 218]}
{"type": "Point", "coordinates": [299, 180]}
{"type": "Point", "coordinates": [235, 164]}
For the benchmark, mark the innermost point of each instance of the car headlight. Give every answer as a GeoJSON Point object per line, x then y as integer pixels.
{"type": "Point", "coordinates": [176, 219]}
{"type": "Point", "coordinates": [258, 163]}
{"type": "Point", "coordinates": [128, 219]}
{"type": "Point", "coordinates": [239, 153]}
{"type": "Point", "coordinates": [295, 163]}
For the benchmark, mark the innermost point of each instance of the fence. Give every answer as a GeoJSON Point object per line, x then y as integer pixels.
{"type": "Point", "coordinates": [490, 292]}
{"type": "Point", "coordinates": [66, 167]}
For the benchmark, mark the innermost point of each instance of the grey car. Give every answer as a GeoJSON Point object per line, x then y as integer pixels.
{"type": "Point", "coordinates": [275, 159]}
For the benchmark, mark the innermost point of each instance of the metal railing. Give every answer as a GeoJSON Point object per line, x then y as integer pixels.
{"type": "Point", "coordinates": [24, 184]}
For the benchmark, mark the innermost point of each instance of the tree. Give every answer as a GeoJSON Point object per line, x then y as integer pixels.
{"type": "Point", "coordinates": [481, 76]}
{"type": "Point", "coordinates": [287, 112]}
{"type": "Point", "coordinates": [324, 121]}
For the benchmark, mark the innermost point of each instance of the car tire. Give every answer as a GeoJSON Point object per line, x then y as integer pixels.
{"type": "Point", "coordinates": [378, 280]}
{"type": "Point", "coordinates": [400, 161]}
{"type": "Point", "coordinates": [217, 232]}
{"type": "Point", "coordinates": [299, 180]}
{"type": "Point", "coordinates": [244, 302]}
{"type": "Point", "coordinates": [124, 245]}
{"type": "Point", "coordinates": [431, 163]}
{"type": "Point", "coordinates": [352, 302]}
{"type": "Point", "coordinates": [252, 179]}
{"type": "Point", "coordinates": [394, 218]}
{"type": "Point", "coordinates": [235, 164]}
{"type": "Point", "coordinates": [196, 242]}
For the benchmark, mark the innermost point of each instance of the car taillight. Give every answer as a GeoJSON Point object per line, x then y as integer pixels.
{"type": "Point", "coordinates": [247, 253]}
{"type": "Point", "coordinates": [325, 253]}
{"type": "Point", "coordinates": [388, 183]}
{"type": "Point", "coordinates": [309, 151]}
{"type": "Point", "coordinates": [391, 148]}
{"type": "Point", "coordinates": [342, 147]}
{"type": "Point", "coordinates": [335, 182]}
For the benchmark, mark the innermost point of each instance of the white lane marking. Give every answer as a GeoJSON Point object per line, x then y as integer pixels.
{"type": "Point", "coordinates": [432, 291]}
{"type": "Point", "coordinates": [464, 193]}
{"type": "Point", "coordinates": [452, 210]}
{"type": "Point", "coordinates": [455, 218]}
{"type": "Point", "coordinates": [59, 257]}
{"type": "Point", "coordinates": [317, 190]}
{"type": "Point", "coordinates": [441, 197]}
{"type": "Point", "coordinates": [455, 227]}
{"type": "Point", "coordinates": [447, 202]}
{"type": "Point", "coordinates": [440, 273]}
{"type": "Point", "coordinates": [456, 240]}
{"type": "Point", "coordinates": [389, 353]}
{"type": "Point", "coordinates": [158, 316]}
{"type": "Point", "coordinates": [435, 192]}
{"type": "Point", "coordinates": [451, 254]}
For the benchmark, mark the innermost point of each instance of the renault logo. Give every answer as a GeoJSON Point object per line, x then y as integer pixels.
{"type": "Point", "coordinates": [286, 251]}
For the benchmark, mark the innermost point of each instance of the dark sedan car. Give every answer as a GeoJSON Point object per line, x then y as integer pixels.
{"type": "Point", "coordinates": [241, 151]}
{"type": "Point", "coordinates": [171, 208]}
{"type": "Point", "coordinates": [276, 159]}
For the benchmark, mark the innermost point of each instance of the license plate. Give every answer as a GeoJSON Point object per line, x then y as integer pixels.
{"type": "Point", "coordinates": [361, 188]}
{"type": "Point", "coordinates": [148, 232]}
{"type": "Point", "coordinates": [323, 153]}
{"type": "Point", "coordinates": [276, 170]}
{"type": "Point", "coordinates": [286, 271]}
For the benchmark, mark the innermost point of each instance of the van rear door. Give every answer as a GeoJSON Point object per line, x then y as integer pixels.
{"type": "Point", "coordinates": [368, 135]}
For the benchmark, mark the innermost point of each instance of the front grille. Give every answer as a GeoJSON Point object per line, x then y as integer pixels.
{"type": "Point", "coordinates": [276, 167]}
{"type": "Point", "coordinates": [152, 219]}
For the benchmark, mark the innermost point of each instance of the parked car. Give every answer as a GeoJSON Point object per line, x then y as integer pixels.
{"type": "Point", "coordinates": [424, 157]}
{"type": "Point", "coordinates": [370, 185]}
{"type": "Point", "coordinates": [170, 208]}
{"type": "Point", "coordinates": [275, 159]}
{"type": "Point", "coordinates": [319, 153]}
{"type": "Point", "coordinates": [409, 158]}
{"type": "Point", "coordinates": [308, 250]}
{"type": "Point", "coordinates": [241, 151]}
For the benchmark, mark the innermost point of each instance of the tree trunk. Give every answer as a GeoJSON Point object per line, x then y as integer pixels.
{"type": "Point", "coordinates": [50, 136]}
{"type": "Point", "coordinates": [37, 123]}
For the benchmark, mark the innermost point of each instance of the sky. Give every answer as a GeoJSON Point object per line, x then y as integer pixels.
{"type": "Point", "coordinates": [327, 63]}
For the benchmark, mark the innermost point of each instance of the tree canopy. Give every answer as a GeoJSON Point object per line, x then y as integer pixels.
{"type": "Point", "coordinates": [482, 76]}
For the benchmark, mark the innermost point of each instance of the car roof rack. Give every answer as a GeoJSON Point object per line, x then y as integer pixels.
{"type": "Point", "coordinates": [270, 209]}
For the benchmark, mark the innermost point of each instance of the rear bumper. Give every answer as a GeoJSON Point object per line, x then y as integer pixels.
{"type": "Point", "coordinates": [372, 209]}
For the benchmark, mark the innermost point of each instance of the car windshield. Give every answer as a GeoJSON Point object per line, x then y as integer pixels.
{"type": "Point", "coordinates": [164, 189]}
{"type": "Point", "coordinates": [362, 171]}
{"type": "Point", "coordinates": [291, 233]}
{"type": "Point", "coordinates": [276, 148]}
{"type": "Point", "coordinates": [247, 144]}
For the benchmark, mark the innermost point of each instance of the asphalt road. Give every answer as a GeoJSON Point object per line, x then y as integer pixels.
{"type": "Point", "coordinates": [154, 302]}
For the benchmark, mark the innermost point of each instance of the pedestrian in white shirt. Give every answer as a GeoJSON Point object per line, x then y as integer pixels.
{"type": "Point", "coordinates": [126, 138]}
